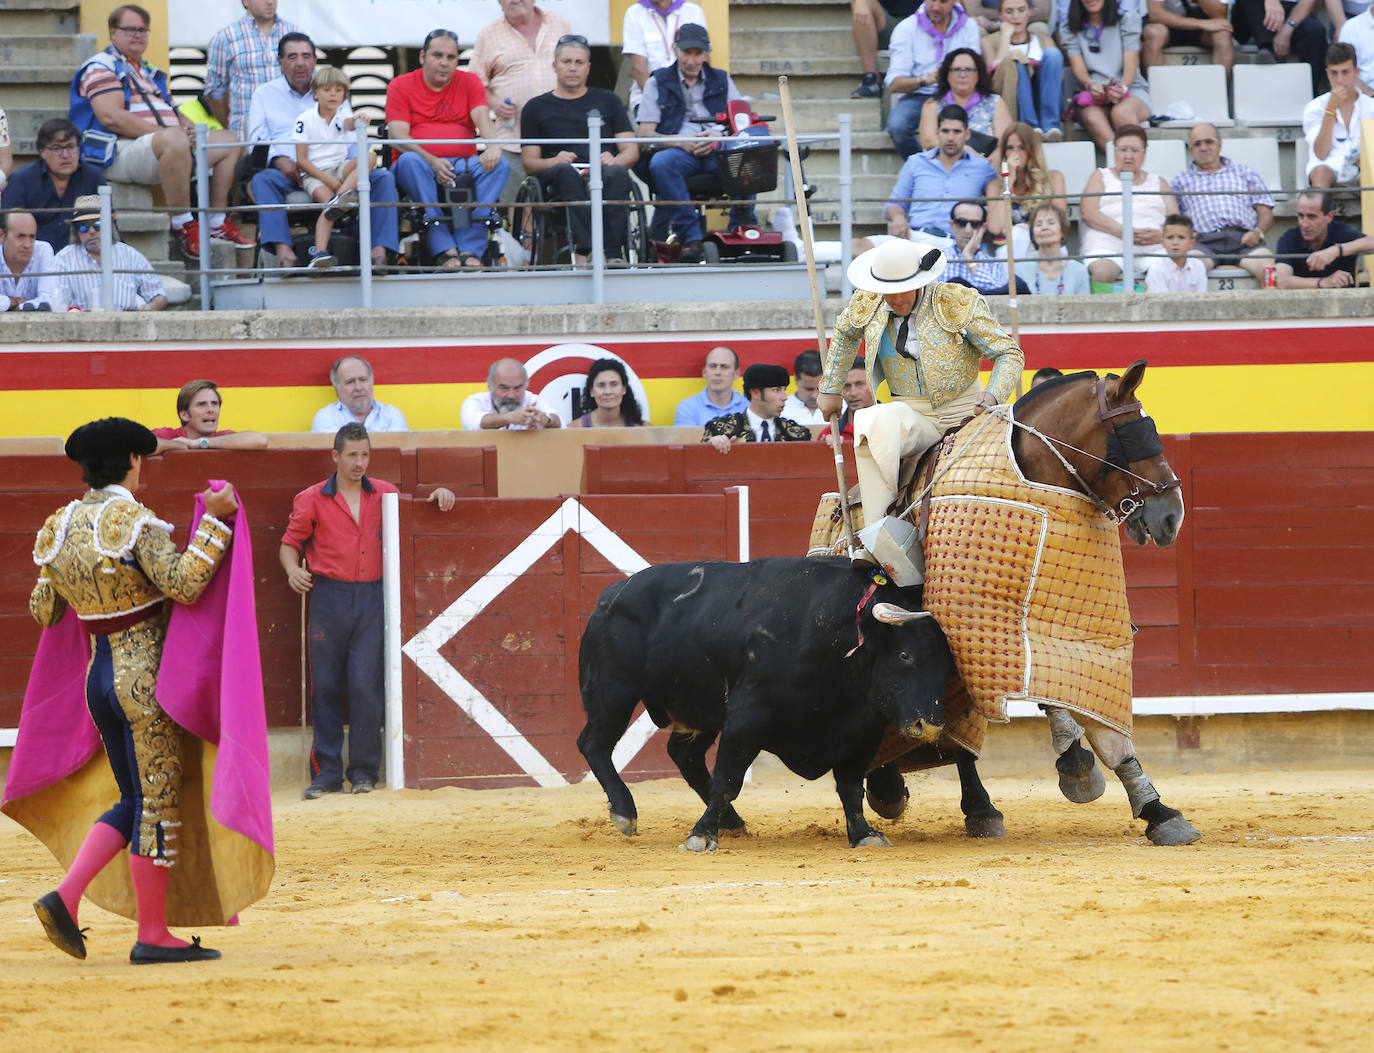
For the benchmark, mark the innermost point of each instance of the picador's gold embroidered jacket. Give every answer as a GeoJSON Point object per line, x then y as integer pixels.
{"type": "Point", "coordinates": [956, 331]}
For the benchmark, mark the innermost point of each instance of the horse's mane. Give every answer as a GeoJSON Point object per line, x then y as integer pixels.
{"type": "Point", "coordinates": [1053, 384]}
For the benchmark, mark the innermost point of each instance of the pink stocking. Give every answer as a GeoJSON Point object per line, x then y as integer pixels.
{"type": "Point", "coordinates": [102, 844]}
{"type": "Point", "coordinates": [150, 886]}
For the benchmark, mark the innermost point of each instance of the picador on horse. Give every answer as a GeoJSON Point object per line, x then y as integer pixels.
{"type": "Point", "coordinates": [1012, 521]}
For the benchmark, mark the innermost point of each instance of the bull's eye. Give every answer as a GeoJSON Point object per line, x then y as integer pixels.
{"type": "Point", "coordinates": [904, 657]}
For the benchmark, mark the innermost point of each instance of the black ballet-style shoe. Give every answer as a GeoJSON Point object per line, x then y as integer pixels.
{"type": "Point", "coordinates": [152, 954]}
{"type": "Point", "coordinates": [59, 925]}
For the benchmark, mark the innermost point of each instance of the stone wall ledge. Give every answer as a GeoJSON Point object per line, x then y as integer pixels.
{"type": "Point", "coordinates": [34, 332]}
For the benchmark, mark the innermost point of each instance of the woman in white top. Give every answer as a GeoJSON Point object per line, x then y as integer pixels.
{"type": "Point", "coordinates": [1151, 201]}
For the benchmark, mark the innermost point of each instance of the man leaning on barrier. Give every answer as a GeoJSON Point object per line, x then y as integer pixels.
{"type": "Point", "coordinates": [273, 114]}
{"type": "Point", "coordinates": [440, 101]}
{"type": "Point", "coordinates": [562, 167]}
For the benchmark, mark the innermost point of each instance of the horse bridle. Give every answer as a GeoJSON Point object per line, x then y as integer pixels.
{"type": "Point", "coordinates": [1127, 442]}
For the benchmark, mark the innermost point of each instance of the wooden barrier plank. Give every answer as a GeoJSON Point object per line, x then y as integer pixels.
{"type": "Point", "coordinates": [1252, 604]}
{"type": "Point", "coordinates": [1283, 487]}
{"type": "Point", "coordinates": [1349, 449]}
{"type": "Point", "coordinates": [1293, 567]}
{"type": "Point", "coordinates": [1286, 645]}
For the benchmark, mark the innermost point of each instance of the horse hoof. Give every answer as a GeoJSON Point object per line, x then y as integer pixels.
{"type": "Point", "coordinates": [697, 843]}
{"type": "Point", "coordinates": [628, 827]}
{"type": "Point", "coordinates": [888, 809]}
{"type": "Point", "coordinates": [874, 840]}
{"type": "Point", "coordinates": [1175, 831]}
{"type": "Point", "coordinates": [1084, 788]}
{"type": "Point", "coordinates": [984, 826]}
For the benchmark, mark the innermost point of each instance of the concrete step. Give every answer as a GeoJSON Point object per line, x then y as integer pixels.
{"type": "Point", "coordinates": [750, 18]}
{"type": "Point", "coordinates": [37, 87]}
{"type": "Point", "coordinates": [822, 115]}
{"type": "Point", "coordinates": [794, 42]}
{"type": "Point", "coordinates": [795, 66]}
{"type": "Point", "coordinates": [834, 87]}
{"type": "Point", "coordinates": [38, 16]}
{"type": "Point", "coordinates": [46, 49]}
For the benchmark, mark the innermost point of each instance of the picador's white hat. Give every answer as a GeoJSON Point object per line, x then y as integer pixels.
{"type": "Point", "coordinates": [897, 266]}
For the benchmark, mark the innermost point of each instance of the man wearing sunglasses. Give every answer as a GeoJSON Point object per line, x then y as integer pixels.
{"type": "Point", "coordinates": [50, 186]}
{"type": "Point", "coordinates": [116, 93]}
{"type": "Point", "coordinates": [136, 285]}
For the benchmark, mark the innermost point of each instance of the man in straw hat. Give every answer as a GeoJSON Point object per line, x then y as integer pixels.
{"type": "Point", "coordinates": [927, 344]}
{"type": "Point", "coordinates": [137, 286]}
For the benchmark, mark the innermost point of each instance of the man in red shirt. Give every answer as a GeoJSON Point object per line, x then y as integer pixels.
{"type": "Point", "coordinates": [198, 406]}
{"type": "Point", "coordinates": [337, 525]}
{"type": "Point", "coordinates": [438, 101]}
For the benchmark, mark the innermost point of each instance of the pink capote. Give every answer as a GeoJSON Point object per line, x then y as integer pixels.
{"type": "Point", "coordinates": [214, 644]}
{"type": "Point", "coordinates": [210, 683]}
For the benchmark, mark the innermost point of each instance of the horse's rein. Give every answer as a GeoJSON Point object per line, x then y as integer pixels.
{"type": "Point", "coordinates": [1132, 502]}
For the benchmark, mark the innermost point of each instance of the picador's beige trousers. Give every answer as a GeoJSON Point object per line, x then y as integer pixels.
{"type": "Point", "coordinates": [886, 433]}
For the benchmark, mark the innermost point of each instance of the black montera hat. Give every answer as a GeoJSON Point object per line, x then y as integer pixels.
{"type": "Point", "coordinates": [109, 438]}
{"type": "Point", "coordinates": [765, 375]}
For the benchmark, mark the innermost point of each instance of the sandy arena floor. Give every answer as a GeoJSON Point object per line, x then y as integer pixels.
{"type": "Point", "coordinates": [495, 920]}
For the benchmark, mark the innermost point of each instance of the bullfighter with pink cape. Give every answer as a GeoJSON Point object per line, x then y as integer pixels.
{"type": "Point", "coordinates": [185, 739]}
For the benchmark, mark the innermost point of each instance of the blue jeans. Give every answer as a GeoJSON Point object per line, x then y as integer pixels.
{"type": "Point", "coordinates": [904, 122]}
{"type": "Point", "coordinates": [1047, 82]}
{"type": "Point", "coordinates": [270, 187]}
{"type": "Point", "coordinates": [416, 180]}
{"type": "Point", "coordinates": [670, 169]}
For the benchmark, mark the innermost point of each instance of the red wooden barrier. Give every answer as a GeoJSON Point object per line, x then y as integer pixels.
{"type": "Point", "coordinates": [1266, 590]}
{"type": "Point", "coordinates": [33, 487]}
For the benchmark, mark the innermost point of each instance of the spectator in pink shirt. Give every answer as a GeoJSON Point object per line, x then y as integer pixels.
{"type": "Point", "coordinates": [514, 57]}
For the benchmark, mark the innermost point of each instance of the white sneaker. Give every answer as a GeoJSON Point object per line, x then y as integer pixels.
{"type": "Point", "coordinates": [785, 223]}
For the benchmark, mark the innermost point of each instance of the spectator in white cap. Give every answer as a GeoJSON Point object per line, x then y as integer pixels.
{"type": "Point", "coordinates": [136, 285]}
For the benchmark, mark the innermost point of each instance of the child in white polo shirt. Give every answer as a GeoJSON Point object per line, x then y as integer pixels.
{"type": "Point", "coordinates": [329, 167]}
{"type": "Point", "coordinates": [1178, 271]}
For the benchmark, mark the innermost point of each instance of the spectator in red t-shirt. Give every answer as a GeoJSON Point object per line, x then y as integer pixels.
{"type": "Point", "coordinates": [198, 406]}
{"type": "Point", "coordinates": [439, 101]}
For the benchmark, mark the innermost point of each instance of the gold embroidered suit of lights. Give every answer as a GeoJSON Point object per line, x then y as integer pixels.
{"type": "Point", "coordinates": [106, 556]}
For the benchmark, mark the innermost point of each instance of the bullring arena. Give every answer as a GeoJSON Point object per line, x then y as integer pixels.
{"type": "Point", "coordinates": [481, 898]}
{"type": "Point", "coordinates": [487, 907]}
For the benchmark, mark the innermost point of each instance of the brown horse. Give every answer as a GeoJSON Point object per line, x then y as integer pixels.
{"type": "Point", "coordinates": [1088, 434]}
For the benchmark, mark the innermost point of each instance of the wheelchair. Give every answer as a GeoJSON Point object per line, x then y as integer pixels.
{"type": "Point", "coordinates": [544, 231]}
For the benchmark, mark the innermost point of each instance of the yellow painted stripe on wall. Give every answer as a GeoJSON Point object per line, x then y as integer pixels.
{"type": "Point", "coordinates": [1181, 399]}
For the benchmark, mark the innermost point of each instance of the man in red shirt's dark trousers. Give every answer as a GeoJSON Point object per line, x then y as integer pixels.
{"type": "Point", "coordinates": [337, 526]}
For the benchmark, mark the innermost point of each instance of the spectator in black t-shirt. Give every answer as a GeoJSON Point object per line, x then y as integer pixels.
{"type": "Point", "coordinates": [561, 170]}
{"type": "Point", "coordinates": [1320, 252]}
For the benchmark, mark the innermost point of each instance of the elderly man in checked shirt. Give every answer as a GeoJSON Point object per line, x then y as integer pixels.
{"type": "Point", "coordinates": [136, 285]}
{"type": "Point", "coordinates": [242, 58]}
{"type": "Point", "coordinates": [1228, 203]}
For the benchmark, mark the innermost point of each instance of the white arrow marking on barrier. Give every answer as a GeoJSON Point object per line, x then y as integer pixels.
{"type": "Point", "coordinates": [423, 648]}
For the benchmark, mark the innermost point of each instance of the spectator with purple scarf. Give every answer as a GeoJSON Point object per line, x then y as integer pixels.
{"type": "Point", "coordinates": [918, 46]}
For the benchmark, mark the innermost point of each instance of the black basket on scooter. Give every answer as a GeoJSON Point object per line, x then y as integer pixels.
{"type": "Point", "coordinates": [747, 170]}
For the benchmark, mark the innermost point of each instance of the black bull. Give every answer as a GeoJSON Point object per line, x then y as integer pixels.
{"type": "Point", "coordinates": [759, 654]}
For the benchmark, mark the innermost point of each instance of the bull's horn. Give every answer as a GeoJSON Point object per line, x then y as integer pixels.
{"type": "Point", "coordinates": [894, 615]}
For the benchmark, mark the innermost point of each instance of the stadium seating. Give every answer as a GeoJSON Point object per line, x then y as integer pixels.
{"type": "Point", "coordinates": [1076, 160]}
{"type": "Point", "coordinates": [1202, 87]}
{"type": "Point", "coordinates": [1260, 154]}
{"type": "Point", "coordinates": [1272, 96]}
